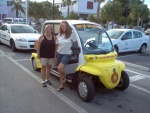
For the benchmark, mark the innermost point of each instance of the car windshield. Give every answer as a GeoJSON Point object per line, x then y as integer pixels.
{"type": "Point", "coordinates": [94, 39]}
{"type": "Point", "coordinates": [114, 34]}
{"type": "Point", "coordinates": [7, 20]}
{"type": "Point", "coordinates": [22, 29]}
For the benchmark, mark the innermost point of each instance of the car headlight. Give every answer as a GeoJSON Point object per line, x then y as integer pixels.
{"type": "Point", "coordinates": [21, 39]}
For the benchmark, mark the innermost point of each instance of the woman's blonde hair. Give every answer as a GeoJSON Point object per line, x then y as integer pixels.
{"type": "Point", "coordinates": [68, 31]}
{"type": "Point", "coordinates": [48, 26]}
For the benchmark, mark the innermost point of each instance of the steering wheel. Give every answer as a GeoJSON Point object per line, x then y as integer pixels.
{"type": "Point", "coordinates": [91, 43]}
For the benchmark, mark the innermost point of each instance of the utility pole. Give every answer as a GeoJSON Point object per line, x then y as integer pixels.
{"type": "Point", "coordinates": [27, 11]}
{"type": "Point", "coordinates": [53, 9]}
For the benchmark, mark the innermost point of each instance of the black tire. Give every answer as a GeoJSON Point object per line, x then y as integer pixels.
{"type": "Point", "coordinates": [86, 89]}
{"type": "Point", "coordinates": [1, 42]}
{"type": "Point", "coordinates": [116, 49]}
{"type": "Point", "coordinates": [34, 65]}
{"type": "Point", "coordinates": [13, 46]}
{"type": "Point", "coordinates": [124, 81]}
{"type": "Point", "coordinates": [142, 49]}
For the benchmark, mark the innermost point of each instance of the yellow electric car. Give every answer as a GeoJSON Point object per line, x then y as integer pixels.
{"type": "Point", "coordinates": [93, 61]}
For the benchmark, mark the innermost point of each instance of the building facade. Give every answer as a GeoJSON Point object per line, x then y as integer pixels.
{"type": "Point", "coordinates": [83, 8]}
{"type": "Point", "coordinates": [5, 10]}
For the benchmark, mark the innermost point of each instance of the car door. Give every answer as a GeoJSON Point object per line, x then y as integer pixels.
{"type": "Point", "coordinates": [125, 42]}
{"type": "Point", "coordinates": [137, 36]}
{"type": "Point", "coordinates": [5, 35]}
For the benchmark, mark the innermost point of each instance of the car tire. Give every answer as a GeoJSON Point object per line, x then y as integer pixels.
{"type": "Point", "coordinates": [124, 81]}
{"type": "Point", "coordinates": [142, 49]}
{"type": "Point", "coordinates": [34, 65]}
{"type": "Point", "coordinates": [116, 48]}
{"type": "Point", "coordinates": [1, 42]}
{"type": "Point", "coordinates": [13, 46]}
{"type": "Point", "coordinates": [86, 89]}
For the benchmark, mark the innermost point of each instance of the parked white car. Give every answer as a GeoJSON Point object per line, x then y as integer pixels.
{"type": "Point", "coordinates": [18, 36]}
{"type": "Point", "coordinates": [126, 40]}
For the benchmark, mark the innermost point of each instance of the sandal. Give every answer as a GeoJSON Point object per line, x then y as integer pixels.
{"type": "Point", "coordinates": [59, 89]}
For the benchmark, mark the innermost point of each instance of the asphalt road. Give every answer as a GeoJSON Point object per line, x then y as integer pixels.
{"type": "Point", "coordinates": [137, 60]}
{"type": "Point", "coordinates": [21, 90]}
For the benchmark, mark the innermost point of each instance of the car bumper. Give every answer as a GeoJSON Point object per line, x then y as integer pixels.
{"type": "Point", "coordinates": [24, 45]}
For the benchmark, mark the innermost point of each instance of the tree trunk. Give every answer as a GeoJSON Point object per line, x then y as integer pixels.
{"type": "Point", "coordinates": [107, 24]}
{"type": "Point", "coordinates": [141, 22]}
{"type": "Point", "coordinates": [68, 11]}
{"type": "Point", "coordinates": [138, 23]}
{"type": "Point", "coordinates": [16, 13]}
{"type": "Point", "coordinates": [112, 24]}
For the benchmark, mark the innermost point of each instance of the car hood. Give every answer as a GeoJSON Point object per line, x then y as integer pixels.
{"type": "Point", "coordinates": [27, 36]}
{"type": "Point", "coordinates": [113, 40]}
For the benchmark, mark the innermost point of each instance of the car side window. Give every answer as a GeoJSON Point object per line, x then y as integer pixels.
{"type": "Point", "coordinates": [126, 36]}
{"type": "Point", "coordinates": [4, 27]}
{"type": "Point", "coordinates": [137, 34]}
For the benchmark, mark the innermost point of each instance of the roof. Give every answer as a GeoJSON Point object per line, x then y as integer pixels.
{"type": "Point", "coordinates": [125, 29]}
{"type": "Point", "coordinates": [70, 21]}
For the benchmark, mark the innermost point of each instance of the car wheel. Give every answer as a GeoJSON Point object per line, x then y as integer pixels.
{"type": "Point", "coordinates": [1, 42]}
{"type": "Point", "coordinates": [13, 47]}
{"type": "Point", "coordinates": [34, 65]}
{"type": "Point", "coordinates": [116, 49]}
{"type": "Point", "coordinates": [86, 90]}
{"type": "Point", "coordinates": [142, 49]}
{"type": "Point", "coordinates": [124, 81]}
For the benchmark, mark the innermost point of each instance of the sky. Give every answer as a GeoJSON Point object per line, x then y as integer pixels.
{"type": "Point", "coordinates": [147, 2]}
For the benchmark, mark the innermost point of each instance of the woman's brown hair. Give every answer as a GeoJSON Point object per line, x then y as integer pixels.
{"type": "Point", "coordinates": [68, 31]}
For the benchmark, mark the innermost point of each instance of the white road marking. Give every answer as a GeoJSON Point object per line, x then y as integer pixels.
{"type": "Point", "coordinates": [140, 88]}
{"type": "Point", "coordinates": [136, 78]}
{"type": "Point", "coordinates": [22, 60]}
{"type": "Point", "coordinates": [137, 73]}
{"type": "Point", "coordinates": [61, 96]}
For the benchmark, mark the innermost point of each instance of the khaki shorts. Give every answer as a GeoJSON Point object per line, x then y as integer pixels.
{"type": "Point", "coordinates": [47, 61]}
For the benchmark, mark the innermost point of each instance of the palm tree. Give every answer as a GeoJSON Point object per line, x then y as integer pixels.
{"type": "Point", "coordinates": [98, 7]}
{"type": "Point", "coordinates": [68, 3]}
{"type": "Point", "coordinates": [111, 12]}
{"type": "Point", "coordinates": [17, 7]}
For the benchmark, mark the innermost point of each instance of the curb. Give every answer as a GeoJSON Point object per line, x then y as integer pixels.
{"type": "Point", "coordinates": [137, 66]}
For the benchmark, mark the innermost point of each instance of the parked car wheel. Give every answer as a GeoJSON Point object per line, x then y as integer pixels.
{"type": "Point", "coordinates": [124, 81]}
{"type": "Point", "coordinates": [86, 90]}
{"type": "Point", "coordinates": [116, 48]}
{"type": "Point", "coordinates": [143, 49]}
{"type": "Point", "coordinates": [13, 46]}
{"type": "Point", "coordinates": [34, 65]}
{"type": "Point", "coordinates": [1, 42]}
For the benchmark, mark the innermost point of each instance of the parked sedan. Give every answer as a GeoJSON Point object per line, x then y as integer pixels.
{"type": "Point", "coordinates": [125, 40]}
{"type": "Point", "coordinates": [18, 36]}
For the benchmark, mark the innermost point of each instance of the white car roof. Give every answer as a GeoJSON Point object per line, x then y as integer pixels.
{"type": "Point", "coordinates": [125, 29]}
{"type": "Point", "coordinates": [16, 24]}
{"type": "Point", "coordinates": [70, 21]}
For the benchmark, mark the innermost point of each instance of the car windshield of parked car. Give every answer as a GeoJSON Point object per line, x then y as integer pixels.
{"type": "Point", "coordinates": [115, 34]}
{"type": "Point", "coordinates": [22, 29]}
{"type": "Point", "coordinates": [7, 20]}
{"type": "Point", "coordinates": [93, 40]}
